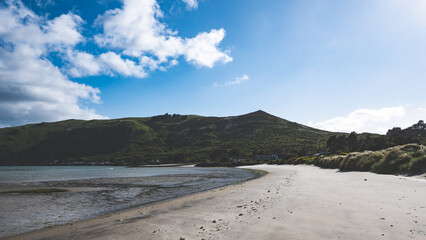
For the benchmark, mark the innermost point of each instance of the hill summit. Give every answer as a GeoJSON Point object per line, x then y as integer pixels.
{"type": "Point", "coordinates": [165, 138]}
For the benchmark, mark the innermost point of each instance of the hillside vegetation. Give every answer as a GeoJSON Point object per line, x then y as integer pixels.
{"type": "Point", "coordinates": [367, 141]}
{"type": "Point", "coordinates": [167, 138]}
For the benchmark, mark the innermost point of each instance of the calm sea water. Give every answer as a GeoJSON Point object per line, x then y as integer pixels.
{"type": "Point", "coordinates": [22, 174]}
{"type": "Point", "coordinates": [96, 190]}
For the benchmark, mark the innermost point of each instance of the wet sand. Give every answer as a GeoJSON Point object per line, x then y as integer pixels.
{"type": "Point", "coordinates": [291, 202]}
{"type": "Point", "coordinates": [24, 207]}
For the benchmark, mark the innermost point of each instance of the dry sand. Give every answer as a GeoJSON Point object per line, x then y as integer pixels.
{"type": "Point", "coordinates": [291, 202]}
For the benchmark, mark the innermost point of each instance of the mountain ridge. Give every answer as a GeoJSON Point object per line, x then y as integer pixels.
{"type": "Point", "coordinates": [167, 138]}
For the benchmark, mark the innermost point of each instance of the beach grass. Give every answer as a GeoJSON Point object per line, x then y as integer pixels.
{"type": "Point", "coordinates": [408, 159]}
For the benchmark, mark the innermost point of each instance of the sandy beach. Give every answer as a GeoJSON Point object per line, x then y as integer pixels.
{"type": "Point", "coordinates": [291, 202]}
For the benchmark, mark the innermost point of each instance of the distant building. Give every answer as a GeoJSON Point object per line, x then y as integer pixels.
{"type": "Point", "coordinates": [267, 157]}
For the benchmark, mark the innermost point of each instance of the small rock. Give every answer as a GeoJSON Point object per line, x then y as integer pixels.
{"type": "Point", "coordinates": [240, 214]}
{"type": "Point", "coordinates": [365, 179]}
{"type": "Point", "coordinates": [214, 221]}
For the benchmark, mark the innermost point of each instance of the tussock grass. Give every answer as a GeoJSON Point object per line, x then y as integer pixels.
{"type": "Point", "coordinates": [409, 159]}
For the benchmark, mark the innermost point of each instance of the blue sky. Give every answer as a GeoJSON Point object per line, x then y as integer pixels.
{"type": "Point", "coordinates": [335, 65]}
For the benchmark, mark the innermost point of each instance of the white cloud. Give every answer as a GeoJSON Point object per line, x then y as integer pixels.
{"type": "Point", "coordinates": [135, 41]}
{"type": "Point", "coordinates": [238, 80]}
{"type": "Point", "coordinates": [136, 31]}
{"type": "Point", "coordinates": [63, 31]}
{"type": "Point", "coordinates": [32, 89]}
{"type": "Point", "coordinates": [141, 42]}
{"type": "Point", "coordinates": [122, 66]}
{"type": "Point", "coordinates": [202, 50]}
{"type": "Point", "coordinates": [82, 64]}
{"type": "Point", "coordinates": [109, 63]}
{"type": "Point", "coordinates": [191, 4]}
{"type": "Point", "coordinates": [365, 120]}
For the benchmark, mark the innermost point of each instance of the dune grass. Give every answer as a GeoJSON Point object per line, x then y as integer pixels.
{"type": "Point", "coordinates": [408, 159]}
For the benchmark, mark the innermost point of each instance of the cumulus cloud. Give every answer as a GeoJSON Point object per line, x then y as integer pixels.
{"type": "Point", "coordinates": [122, 66]}
{"type": "Point", "coordinates": [202, 50]}
{"type": "Point", "coordinates": [110, 63]}
{"type": "Point", "coordinates": [191, 4]}
{"type": "Point", "coordinates": [133, 42]}
{"type": "Point", "coordinates": [135, 30]}
{"type": "Point", "coordinates": [364, 120]}
{"type": "Point", "coordinates": [32, 89]}
{"type": "Point", "coordinates": [83, 64]}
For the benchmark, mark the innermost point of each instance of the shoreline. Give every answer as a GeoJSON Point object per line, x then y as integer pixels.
{"type": "Point", "coordinates": [291, 202]}
{"type": "Point", "coordinates": [29, 235]}
{"type": "Point", "coordinates": [71, 201]}
{"type": "Point", "coordinates": [163, 165]}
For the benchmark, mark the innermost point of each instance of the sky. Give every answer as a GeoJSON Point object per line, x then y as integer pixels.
{"type": "Point", "coordinates": [334, 64]}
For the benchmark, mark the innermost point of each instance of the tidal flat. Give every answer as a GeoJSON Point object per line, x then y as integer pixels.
{"type": "Point", "coordinates": [31, 205]}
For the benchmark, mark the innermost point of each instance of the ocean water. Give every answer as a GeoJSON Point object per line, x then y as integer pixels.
{"type": "Point", "coordinates": [96, 190]}
{"type": "Point", "coordinates": [23, 174]}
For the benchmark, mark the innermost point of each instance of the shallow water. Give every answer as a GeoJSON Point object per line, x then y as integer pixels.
{"type": "Point", "coordinates": [95, 191]}
{"type": "Point", "coordinates": [21, 174]}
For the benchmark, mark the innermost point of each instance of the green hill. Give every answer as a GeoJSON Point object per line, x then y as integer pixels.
{"type": "Point", "coordinates": [167, 138]}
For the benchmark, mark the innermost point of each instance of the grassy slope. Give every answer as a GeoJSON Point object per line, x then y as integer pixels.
{"type": "Point", "coordinates": [408, 159]}
{"type": "Point", "coordinates": [170, 138]}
